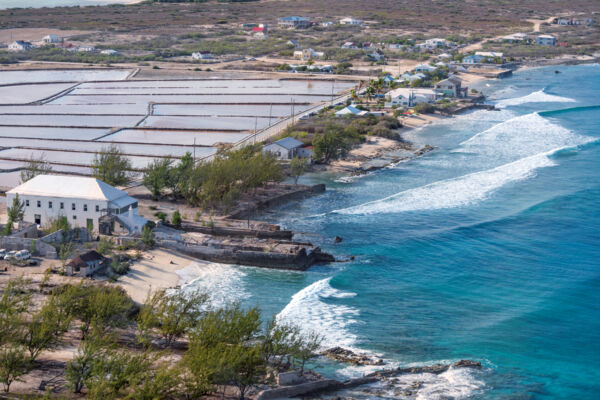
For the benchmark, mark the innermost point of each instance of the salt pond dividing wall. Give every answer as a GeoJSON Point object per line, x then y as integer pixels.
{"type": "Point", "coordinates": [67, 116]}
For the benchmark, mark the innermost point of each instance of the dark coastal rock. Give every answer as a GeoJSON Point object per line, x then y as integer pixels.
{"type": "Point", "coordinates": [337, 239]}
{"type": "Point", "coordinates": [350, 357]}
{"type": "Point", "coordinates": [467, 364]}
{"type": "Point", "coordinates": [425, 149]}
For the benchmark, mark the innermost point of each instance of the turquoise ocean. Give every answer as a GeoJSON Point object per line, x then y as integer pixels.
{"type": "Point", "coordinates": [487, 248]}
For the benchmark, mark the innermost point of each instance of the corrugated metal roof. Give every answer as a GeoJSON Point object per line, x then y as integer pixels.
{"type": "Point", "coordinates": [289, 143]}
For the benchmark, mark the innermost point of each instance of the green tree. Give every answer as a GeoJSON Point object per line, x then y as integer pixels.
{"type": "Point", "coordinates": [172, 314]}
{"type": "Point", "coordinates": [105, 246]}
{"type": "Point", "coordinates": [79, 370]}
{"type": "Point", "coordinates": [306, 347]}
{"type": "Point", "coordinates": [156, 176]}
{"type": "Point", "coordinates": [97, 306]}
{"type": "Point", "coordinates": [16, 211]}
{"type": "Point", "coordinates": [111, 166]}
{"type": "Point", "coordinates": [15, 302]}
{"type": "Point", "coordinates": [46, 328]}
{"type": "Point", "coordinates": [178, 177]}
{"type": "Point", "coordinates": [148, 237]}
{"type": "Point", "coordinates": [331, 144]}
{"type": "Point", "coordinates": [35, 167]}
{"type": "Point", "coordinates": [298, 167]}
{"type": "Point", "coordinates": [13, 364]}
{"type": "Point", "coordinates": [176, 218]}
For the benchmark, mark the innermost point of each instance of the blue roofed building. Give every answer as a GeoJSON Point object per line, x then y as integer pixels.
{"type": "Point", "coordinates": [294, 22]}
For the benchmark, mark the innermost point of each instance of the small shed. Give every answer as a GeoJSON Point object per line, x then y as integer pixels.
{"type": "Point", "coordinates": [284, 149]}
{"type": "Point", "coordinates": [85, 264]}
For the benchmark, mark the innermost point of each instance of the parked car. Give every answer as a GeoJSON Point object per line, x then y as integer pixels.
{"type": "Point", "coordinates": [2, 253]}
{"type": "Point", "coordinates": [23, 255]}
{"type": "Point", "coordinates": [10, 255]}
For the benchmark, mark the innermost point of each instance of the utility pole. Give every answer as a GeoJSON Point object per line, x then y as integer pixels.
{"type": "Point", "coordinates": [255, 126]}
{"type": "Point", "coordinates": [270, 113]}
{"type": "Point", "coordinates": [332, 91]}
{"type": "Point", "coordinates": [293, 112]}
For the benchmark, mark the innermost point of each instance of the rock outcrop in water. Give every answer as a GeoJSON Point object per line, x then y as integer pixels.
{"type": "Point", "coordinates": [350, 357]}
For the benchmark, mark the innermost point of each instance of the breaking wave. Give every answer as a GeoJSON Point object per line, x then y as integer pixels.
{"type": "Point", "coordinates": [455, 383]}
{"type": "Point", "coordinates": [310, 311]}
{"type": "Point", "coordinates": [221, 282]}
{"type": "Point", "coordinates": [536, 97]}
{"type": "Point", "coordinates": [455, 192]}
{"type": "Point", "coordinates": [520, 146]}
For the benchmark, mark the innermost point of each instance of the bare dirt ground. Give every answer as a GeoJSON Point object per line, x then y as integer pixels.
{"type": "Point", "coordinates": [36, 34]}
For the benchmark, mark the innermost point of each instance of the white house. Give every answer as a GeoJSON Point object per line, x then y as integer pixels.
{"type": "Point", "coordinates": [515, 37]}
{"type": "Point", "coordinates": [293, 43]}
{"type": "Point", "coordinates": [425, 68]}
{"type": "Point", "coordinates": [409, 97]}
{"type": "Point", "coordinates": [450, 87]}
{"type": "Point", "coordinates": [52, 38]}
{"type": "Point", "coordinates": [202, 55]}
{"type": "Point", "coordinates": [284, 149]}
{"type": "Point", "coordinates": [294, 22]}
{"type": "Point", "coordinates": [20, 45]}
{"type": "Point", "coordinates": [546, 40]}
{"type": "Point", "coordinates": [489, 54]}
{"type": "Point", "coordinates": [351, 110]}
{"type": "Point", "coordinates": [308, 54]}
{"type": "Point", "coordinates": [377, 55]}
{"type": "Point", "coordinates": [110, 52]}
{"type": "Point", "coordinates": [350, 21]}
{"type": "Point", "coordinates": [326, 24]}
{"type": "Point", "coordinates": [86, 49]}
{"type": "Point", "coordinates": [350, 45]}
{"type": "Point", "coordinates": [82, 200]}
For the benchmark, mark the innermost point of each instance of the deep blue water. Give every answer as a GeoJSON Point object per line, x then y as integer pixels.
{"type": "Point", "coordinates": [487, 248]}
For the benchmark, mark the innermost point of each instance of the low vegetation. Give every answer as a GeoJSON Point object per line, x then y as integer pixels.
{"type": "Point", "coordinates": [227, 346]}
{"type": "Point", "coordinates": [211, 183]}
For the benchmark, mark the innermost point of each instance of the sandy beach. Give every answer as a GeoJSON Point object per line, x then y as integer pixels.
{"type": "Point", "coordinates": [156, 270]}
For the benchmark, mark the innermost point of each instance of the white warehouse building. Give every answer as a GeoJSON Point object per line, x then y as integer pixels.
{"type": "Point", "coordinates": [82, 200]}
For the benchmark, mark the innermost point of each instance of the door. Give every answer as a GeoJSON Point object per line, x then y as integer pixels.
{"type": "Point", "coordinates": [37, 219]}
{"type": "Point", "coordinates": [90, 225]}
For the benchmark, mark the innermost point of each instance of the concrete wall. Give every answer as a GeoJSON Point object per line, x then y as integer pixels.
{"type": "Point", "coordinates": [60, 236]}
{"type": "Point", "coordinates": [17, 243]}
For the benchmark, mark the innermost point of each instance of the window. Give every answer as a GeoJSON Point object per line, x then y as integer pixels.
{"type": "Point", "coordinates": [74, 216]}
{"type": "Point", "coordinates": [62, 205]}
{"type": "Point", "coordinates": [26, 203]}
{"type": "Point", "coordinates": [97, 208]}
{"type": "Point", "coordinates": [49, 204]}
{"type": "Point", "coordinates": [38, 219]}
{"type": "Point", "coordinates": [73, 206]}
{"type": "Point", "coordinates": [85, 207]}
{"type": "Point", "coordinates": [39, 203]}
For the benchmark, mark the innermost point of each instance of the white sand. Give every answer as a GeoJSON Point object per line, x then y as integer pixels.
{"type": "Point", "coordinates": [156, 270]}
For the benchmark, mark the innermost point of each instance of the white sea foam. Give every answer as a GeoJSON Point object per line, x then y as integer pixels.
{"type": "Point", "coordinates": [311, 312]}
{"type": "Point", "coordinates": [519, 137]}
{"type": "Point", "coordinates": [536, 97]}
{"type": "Point", "coordinates": [221, 282]}
{"type": "Point", "coordinates": [455, 192]}
{"type": "Point", "coordinates": [455, 383]}
{"type": "Point", "coordinates": [518, 147]}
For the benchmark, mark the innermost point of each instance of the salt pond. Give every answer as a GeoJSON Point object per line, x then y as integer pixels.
{"type": "Point", "coordinates": [144, 118]}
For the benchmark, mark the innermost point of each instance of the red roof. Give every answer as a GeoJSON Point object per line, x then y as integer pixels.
{"type": "Point", "coordinates": [258, 29]}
